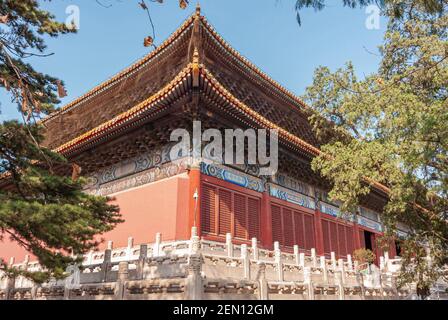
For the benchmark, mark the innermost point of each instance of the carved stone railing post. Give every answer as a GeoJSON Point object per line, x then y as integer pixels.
{"type": "Point", "coordinates": [360, 282]}
{"type": "Point", "coordinates": [89, 259]}
{"type": "Point", "coordinates": [262, 282]}
{"type": "Point", "coordinates": [296, 255]}
{"type": "Point", "coordinates": [25, 264]}
{"type": "Point", "coordinates": [302, 260]}
{"type": "Point", "coordinates": [382, 264]}
{"type": "Point", "coordinates": [393, 284]}
{"type": "Point", "coordinates": [142, 260]}
{"type": "Point", "coordinates": [156, 249]}
{"type": "Point", "coordinates": [314, 258]}
{"type": "Point", "coordinates": [67, 287]}
{"type": "Point", "coordinates": [350, 262]}
{"type": "Point", "coordinates": [66, 293]}
{"type": "Point", "coordinates": [72, 281]}
{"type": "Point", "coordinates": [106, 262]}
{"type": "Point", "coordinates": [10, 287]}
{"type": "Point", "coordinates": [255, 253]}
{"type": "Point", "coordinates": [246, 261]}
{"type": "Point", "coordinates": [123, 276]}
{"type": "Point", "coordinates": [129, 248]}
{"type": "Point", "coordinates": [333, 260]}
{"type": "Point", "coordinates": [278, 260]}
{"type": "Point", "coordinates": [340, 283]}
{"type": "Point", "coordinates": [342, 269]}
{"type": "Point", "coordinates": [381, 285]}
{"type": "Point", "coordinates": [308, 282]}
{"type": "Point", "coordinates": [323, 266]}
{"type": "Point", "coordinates": [193, 286]}
{"type": "Point", "coordinates": [34, 291]}
{"type": "Point", "coordinates": [10, 283]}
{"type": "Point", "coordinates": [195, 241]}
{"type": "Point", "coordinates": [229, 245]}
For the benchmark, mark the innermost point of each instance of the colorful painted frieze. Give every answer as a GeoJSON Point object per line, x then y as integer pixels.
{"type": "Point", "coordinates": [232, 176]}
{"type": "Point", "coordinates": [292, 197]}
{"type": "Point", "coordinates": [370, 224]}
{"type": "Point", "coordinates": [293, 184]}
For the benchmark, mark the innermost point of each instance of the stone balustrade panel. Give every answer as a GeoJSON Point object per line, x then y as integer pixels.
{"type": "Point", "coordinates": [202, 269]}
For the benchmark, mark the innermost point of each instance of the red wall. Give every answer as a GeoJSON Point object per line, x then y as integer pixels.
{"type": "Point", "coordinates": [10, 249]}
{"type": "Point", "coordinates": [161, 206]}
{"type": "Point", "coordinates": [157, 207]}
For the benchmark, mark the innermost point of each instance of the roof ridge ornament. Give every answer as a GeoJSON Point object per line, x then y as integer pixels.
{"type": "Point", "coordinates": [195, 40]}
{"type": "Point", "coordinates": [195, 68]}
{"type": "Point", "coordinates": [198, 9]}
{"type": "Point", "coordinates": [196, 56]}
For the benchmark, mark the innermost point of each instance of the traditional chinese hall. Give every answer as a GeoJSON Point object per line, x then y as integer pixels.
{"type": "Point", "coordinates": [119, 134]}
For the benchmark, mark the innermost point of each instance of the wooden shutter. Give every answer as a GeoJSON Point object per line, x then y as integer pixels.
{"type": "Point", "coordinates": [326, 235]}
{"type": "Point", "coordinates": [277, 224]}
{"type": "Point", "coordinates": [362, 239]}
{"type": "Point", "coordinates": [333, 237]}
{"type": "Point", "coordinates": [240, 210]}
{"type": "Point", "coordinates": [254, 218]}
{"type": "Point", "coordinates": [208, 209]}
{"type": "Point", "coordinates": [299, 230]}
{"type": "Point", "coordinates": [225, 212]}
{"type": "Point", "coordinates": [288, 228]}
{"type": "Point", "coordinates": [350, 240]}
{"type": "Point", "coordinates": [309, 232]}
{"type": "Point", "coordinates": [342, 242]}
{"type": "Point", "coordinates": [291, 227]}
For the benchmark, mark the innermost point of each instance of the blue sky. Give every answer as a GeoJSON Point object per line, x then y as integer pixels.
{"type": "Point", "coordinates": [265, 31]}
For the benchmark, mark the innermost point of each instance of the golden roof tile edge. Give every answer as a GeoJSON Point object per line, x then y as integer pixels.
{"type": "Point", "coordinates": [258, 117]}
{"type": "Point", "coordinates": [218, 86]}
{"type": "Point", "coordinates": [252, 66]}
{"type": "Point", "coordinates": [120, 75]}
{"type": "Point", "coordinates": [142, 106]}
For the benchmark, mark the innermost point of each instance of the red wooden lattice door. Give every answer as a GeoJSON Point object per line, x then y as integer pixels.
{"type": "Point", "coordinates": [338, 238]}
{"type": "Point", "coordinates": [227, 211]}
{"type": "Point", "coordinates": [292, 227]}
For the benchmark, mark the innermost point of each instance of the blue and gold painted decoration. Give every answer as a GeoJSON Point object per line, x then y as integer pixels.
{"type": "Point", "coordinates": [334, 211]}
{"type": "Point", "coordinates": [292, 197]}
{"type": "Point", "coordinates": [232, 176]}
{"type": "Point", "coordinates": [370, 224]}
{"type": "Point", "coordinates": [143, 162]}
{"type": "Point", "coordinates": [329, 209]}
{"type": "Point", "coordinates": [293, 184]}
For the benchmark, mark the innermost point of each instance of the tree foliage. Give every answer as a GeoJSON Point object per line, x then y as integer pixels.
{"type": "Point", "coordinates": [46, 212]}
{"type": "Point", "coordinates": [22, 30]}
{"type": "Point", "coordinates": [396, 8]}
{"type": "Point", "coordinates": [396, 121]}
{"type": "Point", "coordinates": [41, 208]}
